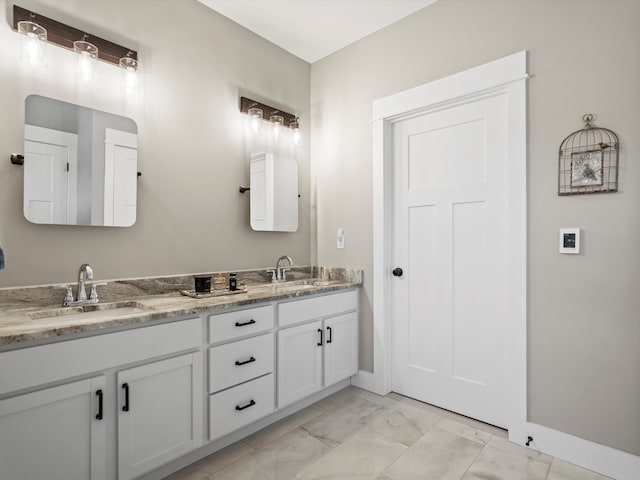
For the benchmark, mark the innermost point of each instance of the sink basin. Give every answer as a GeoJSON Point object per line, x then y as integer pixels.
{"type": "Point", "coordinates": [300, 285]}
{"type": "Point", "coordinates": [98, 311]}
{"type": "Point", "coordinates": [292, 288]}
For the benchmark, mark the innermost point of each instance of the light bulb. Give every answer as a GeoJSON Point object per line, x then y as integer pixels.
{"type": "Point", "coordinates": [295, 127]}
{"type": "Point", "coordinates": [87, 55]}
{"type": "Point", "coordinates": [277, 121]}
{"type": "Point", "coordinates": [33, 43]}
{"type": "Point", "coordinates": [255, 114]}
{"type": "Point", "coordinates": [130, 73]}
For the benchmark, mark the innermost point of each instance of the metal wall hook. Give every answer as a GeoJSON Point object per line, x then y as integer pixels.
{"type": "Point", "coordinates": [17, 159]}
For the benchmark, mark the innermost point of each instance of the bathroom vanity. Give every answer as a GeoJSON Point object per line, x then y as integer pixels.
{"type": "Point", "coordinates": [148, 386]}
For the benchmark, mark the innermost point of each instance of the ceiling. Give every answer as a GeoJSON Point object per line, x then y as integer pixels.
{"type": "Point", "coordinates": [313, 29]}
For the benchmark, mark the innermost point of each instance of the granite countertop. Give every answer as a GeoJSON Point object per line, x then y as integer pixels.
{"type": "Point", "coordinates": [32, 315]}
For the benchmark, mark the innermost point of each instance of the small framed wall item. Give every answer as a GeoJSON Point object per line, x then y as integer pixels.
{"type": "Point", "coordinates": [588, 161]}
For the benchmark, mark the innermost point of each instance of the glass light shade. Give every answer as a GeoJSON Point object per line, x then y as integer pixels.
{"type": "Point", "coordinates": [32, 43]}
{"type": "Point", "coordinates": [130, 73]}
{"type": "Point", "coordinates": [87, 57]}
{"type": "Point", "coordinates": [255, 114]}
{"type": "Point", "coordinates": [277, 122]}
{"type": "Point", "coordinates": [295, 127]}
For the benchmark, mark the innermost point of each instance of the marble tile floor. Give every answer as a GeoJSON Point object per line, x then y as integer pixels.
{"type": "Point", "coordinates": [357, 435]}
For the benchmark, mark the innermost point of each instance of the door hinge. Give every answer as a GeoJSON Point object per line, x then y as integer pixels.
{"type": "Point", "coordinates": [67, 166]}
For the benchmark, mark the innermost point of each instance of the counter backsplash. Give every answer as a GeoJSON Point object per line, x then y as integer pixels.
{"type": "Point", "coordinates": [115, 290]}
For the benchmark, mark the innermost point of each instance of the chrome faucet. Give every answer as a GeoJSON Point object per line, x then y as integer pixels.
{"type": "Point", "coordinates": [84, 273]}
{"type": "Point", "coordinates": [279, 274]}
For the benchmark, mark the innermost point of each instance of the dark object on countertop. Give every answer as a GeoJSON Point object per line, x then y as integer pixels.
{"type": "Point", "coordinates": [203, 283]}
{"type": "Point", "coordinates": [233, 282]}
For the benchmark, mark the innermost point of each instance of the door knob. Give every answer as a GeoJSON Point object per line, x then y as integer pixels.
{"type": "Point", "coordinates": [397, 272]}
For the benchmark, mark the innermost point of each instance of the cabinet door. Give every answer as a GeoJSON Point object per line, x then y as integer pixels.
{"type": "Point", "coordinates": [299, 362]}
{"type": "Point", "coordinates": [341, 348]}
{"type": "Point", "coordinates": [159, 413]}
{"type": "Point", "coordinates": [54, 434]}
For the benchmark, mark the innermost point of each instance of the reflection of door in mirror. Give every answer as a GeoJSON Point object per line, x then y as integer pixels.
{"type": "Point", "coordinates": [80, 165]}
{"type": "Point", "coordinates": [120, 174]}
{"type": "Point", "coordinates": [50, 195]}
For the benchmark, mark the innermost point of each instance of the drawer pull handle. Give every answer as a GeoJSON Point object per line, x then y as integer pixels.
{"type": "Point", "coordinates": [125, 407]}
{"type": "Point", "coordinates": [329, 336]}
{"type": "Point", "coordinates": [244, 324]}
{"type": "Point", "coordinates": [320, 332]}
{"type": "Point", "coordinates": [100, 395]}
{"type": "Point", "coordinates": [252, 359]}
{"type": "Point", "coordinates": [250, 404]}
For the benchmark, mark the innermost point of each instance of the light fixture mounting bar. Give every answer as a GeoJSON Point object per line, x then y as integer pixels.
{"type": "Point", "coordinates": [267, 111]}
{"type": "Point", "coordinates": [63, 35]}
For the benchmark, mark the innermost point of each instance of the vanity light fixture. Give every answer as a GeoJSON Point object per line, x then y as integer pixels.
{"type": "Point", "coordinates": [277, 122]}
{"type": "Point", "coordinates": [278, 119]}
{"type": "Point", "coordinates": [87, 55]}
{"type": "Point", "coordinates": [89, 47]}
{"type": "Point", "coordinates": [33, 42]}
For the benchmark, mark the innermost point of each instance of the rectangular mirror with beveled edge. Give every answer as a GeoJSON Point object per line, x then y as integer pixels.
{"type": "Point", "coordinates": [80, 165]}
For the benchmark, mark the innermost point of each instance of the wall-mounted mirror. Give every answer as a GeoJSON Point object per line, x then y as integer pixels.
{"type": "Point", "coordinates": [274, 193]}
{"type": "Point", "coordinates": [80, 165]}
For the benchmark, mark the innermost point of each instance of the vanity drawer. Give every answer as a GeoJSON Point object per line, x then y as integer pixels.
{"type": "Point", "coordinates": [239, 406]}
{"type": "Point", "coordinates": [298, 311]}
{"type": "Point", "coordinates": [240, 361]}
{"type": "Point", "coordinates": [227, 326]}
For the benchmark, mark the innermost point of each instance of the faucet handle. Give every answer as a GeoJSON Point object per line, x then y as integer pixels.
{"type": "Point", "coordinates": [94, 291]}
{"type": "Point", "coordinates": [273, 274]}
{"type": "Point", "coordinates": [283, 273]}
{"type": "Point", "coordinates": [68, 298]}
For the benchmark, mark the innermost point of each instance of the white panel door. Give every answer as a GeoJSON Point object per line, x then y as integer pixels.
{"type": "Point", "coordinates": [54, 434]}
{"type": "Point", "coordinates": [450, 217]}
{"type": "Point", "coordinates": [120, 178]}
{"type": "Point", "coordinates": [160, 413]}
{"type": "Point", "coordinates": [50, 172]}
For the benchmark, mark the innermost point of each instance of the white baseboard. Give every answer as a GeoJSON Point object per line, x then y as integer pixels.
{"type": "Point", "coordinates": [368, 381]}
{"type": "Point", "coordinates": [593, 456]}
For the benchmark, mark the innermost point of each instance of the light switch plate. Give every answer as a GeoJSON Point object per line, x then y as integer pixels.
{"type": "Point", "coordinates": [340, 238]}
{"type": "Point", "coordinates": [570, 240]}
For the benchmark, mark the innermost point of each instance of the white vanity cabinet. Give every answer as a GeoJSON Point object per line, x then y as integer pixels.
{"type": "Point", "coordinates": [317, 344]}
{"type": "Point", "coordinates": [157, 413]}
{"type": "Point", "coordinates": [52, 427]}
{"type": "Point", "coordinates": [241, 363]}
{"type": "Point", "coordinates": [55, 433]}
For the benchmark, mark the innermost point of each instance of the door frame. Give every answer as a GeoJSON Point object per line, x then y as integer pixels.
{"type": "Point", "coordinates": [507, 75]}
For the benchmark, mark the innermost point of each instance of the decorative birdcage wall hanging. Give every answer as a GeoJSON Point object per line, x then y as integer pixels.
{"type": "Point", "coordinates": [588, 161]}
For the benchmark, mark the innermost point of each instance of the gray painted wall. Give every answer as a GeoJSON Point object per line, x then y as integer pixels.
{"type": "Point", "coordinates": [584, 333]}
{"type": "Point", "coordinates": [192, 149]}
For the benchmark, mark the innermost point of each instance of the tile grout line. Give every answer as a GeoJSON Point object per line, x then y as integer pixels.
{"type": "Point", "coordinates": [477, 455]}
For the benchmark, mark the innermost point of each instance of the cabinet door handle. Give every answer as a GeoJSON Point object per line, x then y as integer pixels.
{"type": "Point", "coordinates": [320, 332]}
{"type": "Point", "coordinates": [250, 404]}
{"type": "Point", "coordinates": [252, 359]}
{"type": "Point", "coordinates": [244, 324]}
{"type": "Point", "coordinates": [329, 335]}
{"type": "Point", "coordinates": [99, 395]}
{"type": "Point", "coordinates": [125, 407]}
